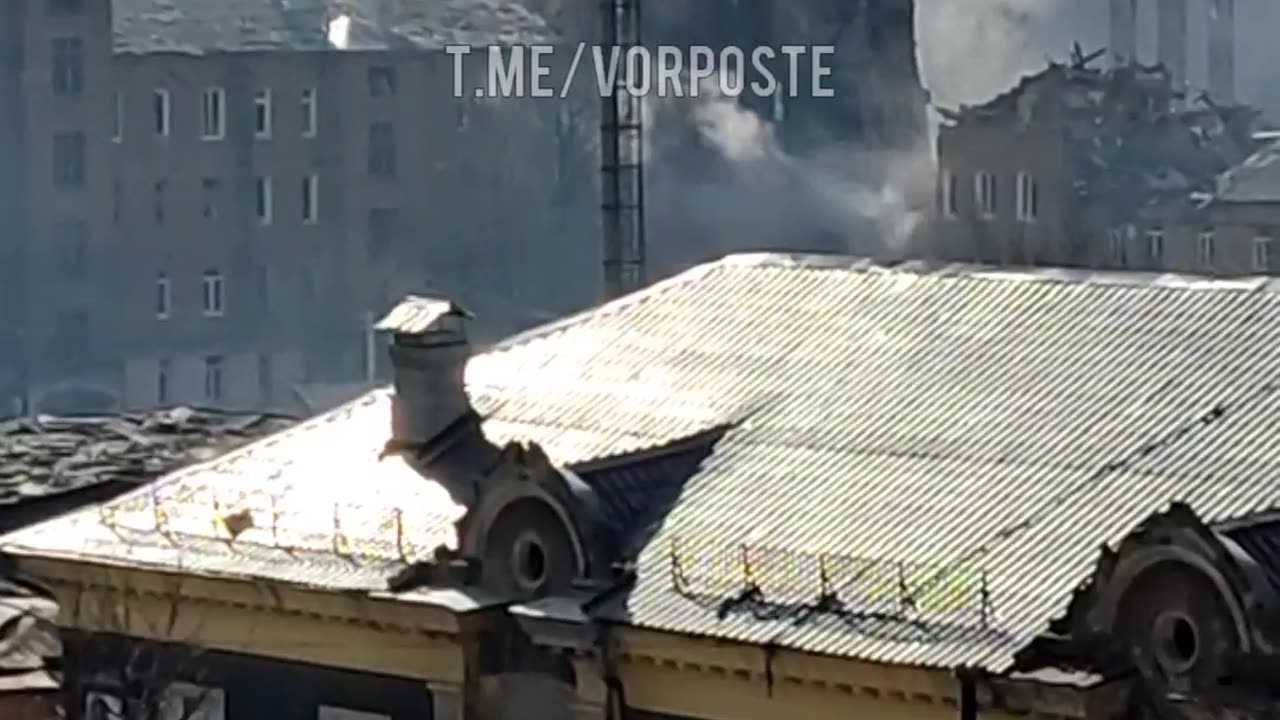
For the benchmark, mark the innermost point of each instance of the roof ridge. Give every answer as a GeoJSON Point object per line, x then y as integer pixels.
{"type": "Point", "coordinates": [868, 264]}
{"type": "Point", "coordinates": [697, 272]}
{"type": "Point", "coordinates": [985, 271]}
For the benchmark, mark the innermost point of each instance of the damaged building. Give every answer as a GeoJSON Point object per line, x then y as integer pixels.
{"type": "Point", "coordinates": [1084, 167]}
{"type": "Point", "coordinates": [716, 498]}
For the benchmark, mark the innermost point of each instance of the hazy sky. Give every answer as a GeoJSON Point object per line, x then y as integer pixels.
{"type": "Point", "coordinates": [971, 50]}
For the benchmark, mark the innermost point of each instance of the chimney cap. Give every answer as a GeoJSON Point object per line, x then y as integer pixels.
{"type": "Point", "coordinates": [417, 314]}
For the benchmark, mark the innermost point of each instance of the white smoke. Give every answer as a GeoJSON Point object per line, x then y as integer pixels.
{"type": "Point", "coordinates": [856, 201]}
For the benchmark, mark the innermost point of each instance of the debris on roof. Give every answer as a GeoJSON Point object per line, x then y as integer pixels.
{"type": "Point", "coordinates": [1134, 140]}
{"type": "Point", "coordinates": [42, 456]}
{"type": "Point", "coordinates": [30, 648]}
{"type": "Point", "coordinates": [199, 26]}
{"type": "Point", "coordinates": [1256, 180]}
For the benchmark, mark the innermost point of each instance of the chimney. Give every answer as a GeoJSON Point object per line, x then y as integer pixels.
{"type": "Point", "coordinates": [1124, 32]}
{"type": "Point", "coordinates": [1222, 50]}
{"type": "Point", "coordinates": [1171, 39]}
{"type": "Point", "coordinates": [429, 352]}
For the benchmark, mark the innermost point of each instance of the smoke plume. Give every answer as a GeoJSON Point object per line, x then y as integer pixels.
{"type": "Point", "coordinates": [748, 192]}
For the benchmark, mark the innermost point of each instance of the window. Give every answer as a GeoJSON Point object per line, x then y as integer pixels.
{"type": "Point", "coordinates": [266, 379]}
{"type": "Point", "coordinates": [1028, 198]}
{"type": "Point", "coordinates": [65, 7]}
{"type": "Point", "coordinates": [213, 114]}
{"type": "Point", "coordinates": [71, 337]}
{"type": "Point", "coordinates": [950, 198]}
{"type": "Point", "coordinates": [210, 191]}
{"type": "Point", "coordinates": [1155, 244]}
{"type": "Point", "coordinates": [1116, 246]}
{"type": "Point", "coordinates": [213, 294]}
{"type": "Point", "coordinates": [263, 200]}
{"type": "Point", "coordinates": [160, 110]}
{"type": "Point", "coordinates": [117, 119]}
{"type": "Point", "coordinates": [984, 189]}
{"type": "Point", "coordinates": [164, 368]}
{"type": "Point", "coordinates": [159, 191]}
{"type": "Point", "coordinates": [382, 81]}
{"type": "Point", "coordinates": [1262, 253]}
{"type": "Point", "coordinates": [214, 366]}
{"type": "Point", "coordinates": [68, 66]}
{"type": "Point", "coordinates": [383, 224]}
{"type": "Point", "coordinates": [264, 288]}
{"type": "Point", "coordinates": [382, 150]}
{"type": "Point", "coordinates": [309, 113]}
{"type": "Point", "coordinates": [1207, 251]}
{"type": "Point", "coordinates": [164, 296]}
{"type": "Point", "coordinates": [73, 242]}
{"type": "Point", "coordinates": [262, 114]}
{"type": "Point", "coordinates": [69, 160]}
{"type": "Point", "coordinates": [311, 199]}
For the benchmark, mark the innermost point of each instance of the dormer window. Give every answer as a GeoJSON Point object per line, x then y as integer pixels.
{"type": "Point", "coordinates": [529, 562]}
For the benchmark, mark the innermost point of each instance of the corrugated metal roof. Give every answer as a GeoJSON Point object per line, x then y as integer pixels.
{"type": "Point", "coordinates": [960, 437]}
{"type": "Point", "coordinates": [418, 314]}
{"type": "Point", "coordinates": [318, 504]}
{"type": "Point", "coordinates": [1256, 180]}
{"type": "Point", "coordinates": [200, 26]}
{"type": "Point", "coordinates": [974, 423]}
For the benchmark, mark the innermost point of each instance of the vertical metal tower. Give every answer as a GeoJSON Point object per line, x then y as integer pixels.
{"type": "Point", "coordinates": [622, 157]}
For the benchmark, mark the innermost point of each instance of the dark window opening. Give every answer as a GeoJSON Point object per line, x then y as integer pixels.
{"type": "Point", "coordinates": [68, 66]}
{"type": "Point", "coordinates": [213, 370]}
{"type": "Point", "coordinates": [382, 150]}
{"type": "Point", "coordinates": [71, 339]}
{"type": "Point", "coordinates": [160, 189]}
{"type": "Point", "coordinates": [73, 239]}
{"type": "Point", "coordinates": [382, 81]}
{"type": "Point", "coordinates": [383, 229]}
{"type": "Point", "coordinates": [117, 201]}
{"type": "Point", "coordinates": [530, 562]}
{"type": "Point", "coordinates": [162, 382]}
{"type": "Point", "coordinates": [69, 160]}
{"type": "Point", "coordinates": [1177, 642]}
{"type": "Point", "coordinates": [66, 7]}
{"type": "Point", "coordinates": [210, 189]}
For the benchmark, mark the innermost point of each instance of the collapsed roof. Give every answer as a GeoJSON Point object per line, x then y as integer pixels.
{"type": "Point", "coordinates": [1133, 140]}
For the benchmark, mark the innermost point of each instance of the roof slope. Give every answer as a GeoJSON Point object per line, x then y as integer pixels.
{"type": "Point", "coordinates": [967, 423]}
{"type": "Point", "coordinates": [891, 431]}
{"type": "Point", "coordinates": [202, 26]}
{"type": "Point", "coordinates": [1256, 180]}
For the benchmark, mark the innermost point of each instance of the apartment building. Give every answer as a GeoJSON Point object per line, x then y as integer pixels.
{"type": "Point", "coordinates": [54, 201]}
{"type": "Point", "coordinates": [234, 198]}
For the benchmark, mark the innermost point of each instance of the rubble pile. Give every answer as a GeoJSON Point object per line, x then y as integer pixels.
{"type": "Point", "coordinates": [1138, 144]}
{"type": "Point", "coordinates": [42, 456]}
{"type": "Point", "coordinates": [1135, 144]}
